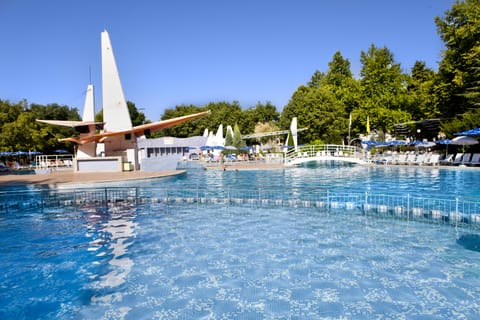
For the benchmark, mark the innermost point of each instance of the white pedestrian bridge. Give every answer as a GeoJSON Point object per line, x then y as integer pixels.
{"type": "Point", "coordinates": [325, 152]}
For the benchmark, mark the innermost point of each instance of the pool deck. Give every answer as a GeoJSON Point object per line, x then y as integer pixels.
{"type": "Point", "coordinates": [65, 177]}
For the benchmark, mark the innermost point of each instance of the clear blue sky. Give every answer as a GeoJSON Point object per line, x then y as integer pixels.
{"type": "Point", "coordinates": [194, 52]}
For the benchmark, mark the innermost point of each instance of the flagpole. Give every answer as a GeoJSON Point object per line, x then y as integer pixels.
{"type": "Point", "coordinates": [349, 127]}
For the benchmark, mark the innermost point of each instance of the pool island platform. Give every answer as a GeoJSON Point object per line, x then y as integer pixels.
{"type": "Point", "coordinates": [66, 177]}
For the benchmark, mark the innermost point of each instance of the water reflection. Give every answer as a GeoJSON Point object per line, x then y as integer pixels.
{"type": "Point", "coordinates": [113, 231]}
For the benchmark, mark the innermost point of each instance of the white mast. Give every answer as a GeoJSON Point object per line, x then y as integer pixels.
{"type": "Point", "coordinates": [294, 130]}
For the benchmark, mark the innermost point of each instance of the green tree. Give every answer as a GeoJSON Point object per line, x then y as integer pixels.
{"type": "Point", "coordinates": [237, 141]}
{"type": "Point", "coordinates": [320, 111]}
{"type": "Point", "coordinates": [229, 138]}
{"type": "Point", "coordinates": [20, 131]}
{"type": "Point", "coordinates": [420, 102]}
{"type": "Point", "coordinates": [383, 88]}
{"type": "Point", "coordinates": [137, 117]}
{"type": "Point", "coordinates": [316, 79]}
{"type": "Point", "coordinates": [260, 113]}
{"type": "Point", "coordinates": [186, 129]}
{"type": "Point", "coordinates": [458, 70]}
{"type": "Point", "coordinates": [339, 72]}
{"type": "Point", "coordinates": [346, 89]}
{"type": "Point", "coordinates": [220, 113]}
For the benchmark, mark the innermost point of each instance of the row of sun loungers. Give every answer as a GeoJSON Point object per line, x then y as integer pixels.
{"type": "Point", "coordinates": [463, 159]}
{"type": "Point", "coordinates": [428, 158]}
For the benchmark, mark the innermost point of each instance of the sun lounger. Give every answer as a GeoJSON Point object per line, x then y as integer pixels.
{"type": "Point", "coordinates": [447, 160]}
{"type": "Point", "coordinates": [426, 159]}
{"type": "Point", "coordinates": [475, 161]}
{"type": "Point", "coordinates": [411, 158]}
{"type": "Point", "coordinates": [419, 159]}
{"type": "Point", "coordinates": [466, 158]}
{"type": "Point", "coordinates": [458, 158]}
{"type": "Point", "coordinates": [401, 159]}
{"type": "Point", "coordinates": [434, 159]}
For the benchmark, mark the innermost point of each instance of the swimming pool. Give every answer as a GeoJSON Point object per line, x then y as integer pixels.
{"type": "Point", "coordinates": [222, 261]}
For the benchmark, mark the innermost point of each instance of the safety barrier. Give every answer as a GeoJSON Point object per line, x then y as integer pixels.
{"type": "Point", "coordinates": [459, 211]}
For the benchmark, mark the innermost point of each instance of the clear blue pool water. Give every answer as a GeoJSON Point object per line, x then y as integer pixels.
{"type": "Point", "coordinates": [213, 261]}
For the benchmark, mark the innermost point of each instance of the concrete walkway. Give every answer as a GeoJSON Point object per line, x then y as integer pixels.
{"type": "Point", "coordinates": [55, 178]}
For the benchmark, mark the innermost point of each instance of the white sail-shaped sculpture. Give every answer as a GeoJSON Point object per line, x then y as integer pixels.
{"type": "Point", "coordinates": [219, 140]}
{"type": "Point", "coordinates": [210, 139]}
{"type": "Point", "coordinates": [115, 110]}
{"type": "Point", "coordinates": [89, 107]}
{"type": "Point", "coordinates": [88, 150]}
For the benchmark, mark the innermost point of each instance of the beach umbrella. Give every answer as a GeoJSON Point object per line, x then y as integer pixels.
{"type": "Point", "coordinates": [444, 141]}
{"type": "Point", "coordinates": [370, 143]}
{"type": "Point", "coordinates": [471, 132]}
{"type": "Point", "coordinates": [230, 148]}
{"type": "Point", "coordinates": [422, 144]}
{"type": "Point", "coordinates": [464, 141]}
{"type": "Point", "coordinates": [397, 143]}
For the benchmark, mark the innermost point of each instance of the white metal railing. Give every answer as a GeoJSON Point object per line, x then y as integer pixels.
{"type": "Point", "coordinates": [455, 211]}
{"type": "Point", "coordinates": [324, 151]}
{"type": "Point", "coordinates": [49, 161]}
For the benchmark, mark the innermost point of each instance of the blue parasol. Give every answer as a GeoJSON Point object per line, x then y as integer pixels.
{"type": "Point", "coordinates": [471, 132]}
{"type": "Point", "coordinates": [397, 143]}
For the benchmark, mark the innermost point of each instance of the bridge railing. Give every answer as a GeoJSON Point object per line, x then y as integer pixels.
{"type": "Point", "coordinates": [324, 151]}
